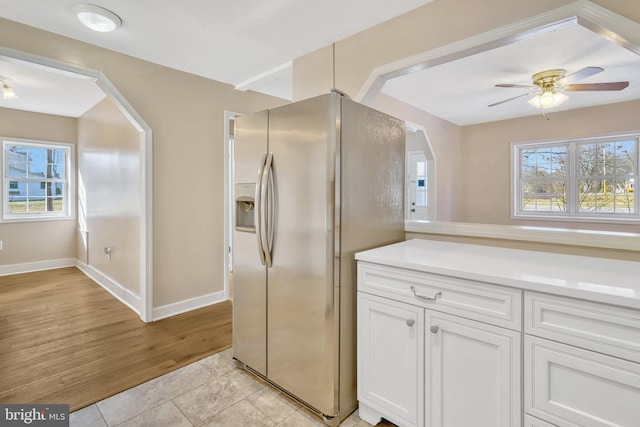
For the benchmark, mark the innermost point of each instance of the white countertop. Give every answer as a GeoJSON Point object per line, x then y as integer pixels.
{"type": "Point", "coordinates": [595, 279]}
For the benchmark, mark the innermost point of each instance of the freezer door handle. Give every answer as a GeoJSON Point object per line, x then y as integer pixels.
{"type": "Point", "coordinates": [267, 211]}
{"type": "Point", "coordinates": [259, 210]}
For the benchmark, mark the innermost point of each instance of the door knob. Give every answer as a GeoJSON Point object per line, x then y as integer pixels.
{"type": "Point", "coordinates": [410, 322]}
{"type": "Point", "coordinates": [434, 329]}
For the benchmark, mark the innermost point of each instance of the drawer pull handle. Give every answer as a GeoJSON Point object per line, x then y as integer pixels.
{"type": "Point", "coordinates": [434, 329]}
{"type": "Point", "coordinates": [422, 297]}
{"type": "Point", "coordinates": [410, 322]}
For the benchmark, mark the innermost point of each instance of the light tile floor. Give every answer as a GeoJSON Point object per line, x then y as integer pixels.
{"type": "Point", "coordinates": [210, 392]}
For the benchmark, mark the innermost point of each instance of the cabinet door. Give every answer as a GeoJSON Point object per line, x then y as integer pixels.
{"type": "Point", "coordinates": [572, 387]}
{"type": "Point", "coordinates": [390, 355]}
{"type": "Point", "coordinates": [473, 373]}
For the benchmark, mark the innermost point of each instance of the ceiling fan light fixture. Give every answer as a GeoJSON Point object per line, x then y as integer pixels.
{"type": "Point", "coordinates": [548, 99]}
{"type": "Point", "coordinates": [7, 92]}
{"type": "Point", "coordinates": [97, 18]}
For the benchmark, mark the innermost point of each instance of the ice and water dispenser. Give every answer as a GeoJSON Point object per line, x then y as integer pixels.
{"type": "Point", "coordinates": [245, 207]}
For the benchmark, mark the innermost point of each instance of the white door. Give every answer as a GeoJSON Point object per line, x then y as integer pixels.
{"type": "Point", "coordinates": [417, 185]}
{"type": "Point", "coordinates": [390, 354]}
{"type": "Point", "coordinates": [472, 372]}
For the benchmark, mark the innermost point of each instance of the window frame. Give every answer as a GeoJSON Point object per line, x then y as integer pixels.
{"type": "Point", "coordinates": [572, 191]}
{"type": "Point", "coordinates": [68, 211]}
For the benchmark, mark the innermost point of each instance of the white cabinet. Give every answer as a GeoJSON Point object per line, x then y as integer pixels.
{"type": "Point", "coordinates": [594, 381]}
{"type": "Point", "coordinates": [390, 349]}
{"type": "Point", "coordinates": [421, 363]}
{"type": "Point", "coordinates": [473, 373]}
{"type": "Point", "coordinates": [510, 337]}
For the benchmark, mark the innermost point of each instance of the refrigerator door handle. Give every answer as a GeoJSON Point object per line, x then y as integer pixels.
{"type": "Point", "coordinates": [259, 210]}
{"type": "Point", "coordinates": [266, 208]}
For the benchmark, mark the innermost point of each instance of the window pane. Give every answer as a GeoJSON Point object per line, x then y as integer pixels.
{"type": "Point", "coordinates": [17, 204]}
{"type": "Point", "coordinates": [596, 195]}
{"type": "Point", "coordinates": [57, 189]}
{"type": "Point", "coordinates": [17, 160]}
{"type": "Point", "coordinates": [596, 159]}
{"type": "Point", "coordinates": [546, 196]}
{"type": "Point", "coordinates": [55, 164]}
{"type": "Point", "coordinates": [624, 199]}
{"type": "Point", "coordinates": [543, 162]}
{"type": "Point", "coordinates": [36, 206]}
{"type": "Point", "coordinates": [623, 158]}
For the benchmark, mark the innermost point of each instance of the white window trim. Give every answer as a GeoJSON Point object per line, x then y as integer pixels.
{"type": "Point", "coordinates": [6, 217]}
{"type": "Point", "coordinates": [516, 213]}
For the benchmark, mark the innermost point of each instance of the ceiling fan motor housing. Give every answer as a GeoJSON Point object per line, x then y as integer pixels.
{"type": "Point", "coordinates": [550, 79]}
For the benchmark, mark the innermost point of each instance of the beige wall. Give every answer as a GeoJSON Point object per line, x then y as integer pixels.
{"type": "Point", "coordinates": [109, 206]}
{"type": "Point", "coordinates": [186, 114]}
{"type": "Point", "coordinates": [55, 239]}
{"type": "Point", "coordinates": [486, 173]}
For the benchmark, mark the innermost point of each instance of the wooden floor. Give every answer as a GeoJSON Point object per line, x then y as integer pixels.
{"type": "Point", "coordinates": [63, 339]}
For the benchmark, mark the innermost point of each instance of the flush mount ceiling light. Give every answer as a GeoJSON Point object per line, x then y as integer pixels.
{"type": "Point", "coordinates": [97, 18]}
{"type": "Point", "coordinates": [7, 92]}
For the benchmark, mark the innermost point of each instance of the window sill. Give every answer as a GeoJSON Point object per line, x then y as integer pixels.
{"type": "Point", "coordinates": [563, 236]}
{"type": "Point", "coordinates": [10, 220]}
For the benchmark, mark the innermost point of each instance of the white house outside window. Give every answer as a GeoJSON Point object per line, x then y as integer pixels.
{"type": "Point", "coordinates": [37, 180]}
{"type": "Point", "coordinates": [587, 179]}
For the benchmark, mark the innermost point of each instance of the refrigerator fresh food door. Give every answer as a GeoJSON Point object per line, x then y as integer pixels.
{"type": "Point", "coordinates": [302, 330]}
{"type": "Point", "coordinates": [249, 272]}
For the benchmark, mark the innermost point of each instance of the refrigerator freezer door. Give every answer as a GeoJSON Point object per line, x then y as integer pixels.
{"type": "Point", "coordinates": [249, 274]}
{"type": "Point", "coordinates": [302, 351]}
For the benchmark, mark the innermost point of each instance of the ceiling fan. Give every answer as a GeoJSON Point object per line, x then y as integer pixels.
{"type": "Point", "coordinates": [548, 86]}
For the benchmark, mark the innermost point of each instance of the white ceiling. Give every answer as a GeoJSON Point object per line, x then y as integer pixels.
{"type": "Point", "coordinates": [460, 91]}
{"type": "Point", "coordinates": [251, 44]}
{"type": "Point", "coordinates": [230, 41]}
{"type": "Point", "coordinates": [48, 91]}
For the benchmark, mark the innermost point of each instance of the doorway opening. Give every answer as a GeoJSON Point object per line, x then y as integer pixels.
{"type": "Point", "coordinates": [420, 180]}
{"type": "Point", "coordinates": [145, 305]}
{"type": "Point", "coordinates": [229, 127]}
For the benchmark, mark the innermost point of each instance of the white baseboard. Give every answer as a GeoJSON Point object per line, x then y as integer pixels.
{"type": "Point", "coordinates": [36, 266]}
{"type": "Point", "coordinates": [187, 305]}
{"type": "Point", "coordinates": [123, 294]}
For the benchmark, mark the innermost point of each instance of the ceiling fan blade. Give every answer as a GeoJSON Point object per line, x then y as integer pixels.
{"type": "Point", "coordinates": [584, 73]}
{"type": "Point", "coordinates": [596, 86]}
{"type": "Point", "coordinates": [520, 86]}
{"type": "Point", "coordinates": [510, 99]}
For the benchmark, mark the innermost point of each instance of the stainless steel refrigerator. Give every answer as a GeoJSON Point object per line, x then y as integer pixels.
{"type": "Point", "coordinates": [315, 181]}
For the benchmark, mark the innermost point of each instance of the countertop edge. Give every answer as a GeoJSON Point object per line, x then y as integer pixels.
{"type": "Point", "coordinates": [606, 295]}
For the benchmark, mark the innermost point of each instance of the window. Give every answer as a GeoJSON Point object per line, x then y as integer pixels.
{"type": "Point", "coordinates": [36, 180]}
{"type": "Point", "coordinates": [590, 179]}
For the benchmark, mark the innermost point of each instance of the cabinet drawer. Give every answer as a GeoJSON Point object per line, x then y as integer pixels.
{"type": "Point", "coordinates": [572, 387]}
{"type": "Point", "coordinates": [497, 305]}
{"type": "Point", "coordinates": [600, 327]}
